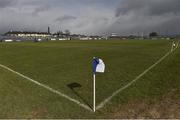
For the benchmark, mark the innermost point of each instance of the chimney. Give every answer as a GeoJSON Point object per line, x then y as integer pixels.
{"type": "Point", "coordinates": [49, 30]}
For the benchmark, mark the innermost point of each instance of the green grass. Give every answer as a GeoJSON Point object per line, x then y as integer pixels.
{"type": "Point", "coordinates": [58, 64]}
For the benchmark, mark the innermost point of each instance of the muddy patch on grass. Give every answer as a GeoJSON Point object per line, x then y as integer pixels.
{"type": "Point", "coordinates": [39, 112]}
{"type": "Point", "coordinates": [165, 108]}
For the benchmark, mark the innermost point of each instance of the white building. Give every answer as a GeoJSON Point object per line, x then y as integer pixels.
{"type": "Point", "coordinates": [27, 34]}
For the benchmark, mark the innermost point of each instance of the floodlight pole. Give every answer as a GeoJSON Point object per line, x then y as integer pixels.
{"type": "Point", "coordinates": [94, 92]}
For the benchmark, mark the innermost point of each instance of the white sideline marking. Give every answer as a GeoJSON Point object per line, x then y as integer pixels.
{"type": "Point", "coordinates": [133, 81]}
{"type": "Point", "coordinates": [48, 88]}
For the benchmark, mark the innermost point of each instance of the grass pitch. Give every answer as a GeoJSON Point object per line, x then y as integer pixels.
{"type": "Point", "coordinates": [58, 64]}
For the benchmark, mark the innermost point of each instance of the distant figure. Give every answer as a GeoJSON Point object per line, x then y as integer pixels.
{"type": "Point", "coordinates": [174, 45]}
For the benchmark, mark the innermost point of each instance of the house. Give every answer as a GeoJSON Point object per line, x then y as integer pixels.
{"type": "Point", "coordinates": [8, 40]}
{"type": "Point", "coordinates": [27, 34]}
{"type": "Point", "coordinates": [95, 37]}
{"type": "Point", "coordinates": [75, 36]}
{"type": "Point", "coordinates": [61, 36]}
{"type": "Point", "coordinates": [53, 39]}
{"type": "Point", "coordinates": [84, 37]}
{"type": "Point", "coordinates": [114, 36]}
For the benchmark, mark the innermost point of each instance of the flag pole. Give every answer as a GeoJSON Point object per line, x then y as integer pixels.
{"type": "Point", "coordinates": [94, 92]}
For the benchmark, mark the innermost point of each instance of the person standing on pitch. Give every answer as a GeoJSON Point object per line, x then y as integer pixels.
{"type": "Point", "coordinates": [173, 46]}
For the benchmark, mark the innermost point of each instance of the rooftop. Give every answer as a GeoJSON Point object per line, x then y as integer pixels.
{"type": "Point", "coordinates": [25, 32]}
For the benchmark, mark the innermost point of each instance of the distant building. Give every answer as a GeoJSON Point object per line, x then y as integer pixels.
{"type": "Point", "coordinates": [8, 40]}
{"type": "Point", "coordinates": [84, 37]}
{"type": "Point", "coordinates": [75, 36]}
{"type": "Point", "coordinates": [27, 34]}
{"type": "Point", "coordinates": [49, 31]}
{"type": "Point", "coordinates": [114, 36]}
{"type": "Point", "coordinates": [60, 36]}
{"type": "Point", "coordinates": [95, 37]}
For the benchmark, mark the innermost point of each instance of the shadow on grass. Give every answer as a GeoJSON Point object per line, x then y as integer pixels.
{"type": "Point", "coordinates": [74, 85]}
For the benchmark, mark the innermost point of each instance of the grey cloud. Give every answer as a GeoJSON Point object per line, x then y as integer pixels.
{"type": "Point", "coordinates": [170, 26]}
{"type": "Point", "coordinates": [126, 6]}
{"type": "Point", "coordinates": [148, 7]}
{"type": "Point", "coordinates": [100, 20]}
{"type": "Point", "coordinates": [136, 25]}
{"type": "Point", "coordinates": [6, 3]}
{"type": "Point", "coordinates": [91, 16]}
{"type": "Point", "coordinates": [133, 16]}
{"type": "Point", "coordinates": [40, 9]}
{"type": "Point", "coordinates": [165, 7]}
{"type": "Point", "coordinates": [65, 18]}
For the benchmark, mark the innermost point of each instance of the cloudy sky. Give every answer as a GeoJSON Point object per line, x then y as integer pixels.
{"type": "Point", "coordinates": [91, 16]}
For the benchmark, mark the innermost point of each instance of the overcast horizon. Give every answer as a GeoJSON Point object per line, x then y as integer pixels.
{"type": "Point", "coordinates": [92, 17]}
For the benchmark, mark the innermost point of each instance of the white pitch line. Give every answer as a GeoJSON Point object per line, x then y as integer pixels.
{"type": "Point", "coordinates": [133, 81]}
{"type": "Point", "coordinates": [48, 88]}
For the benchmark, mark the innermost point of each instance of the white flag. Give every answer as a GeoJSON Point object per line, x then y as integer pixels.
{"type": "Point", "coordinates": [98, 65]}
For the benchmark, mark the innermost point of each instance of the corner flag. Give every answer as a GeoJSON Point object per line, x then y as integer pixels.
{"type": "Point", "coordinates": [98, 66]}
